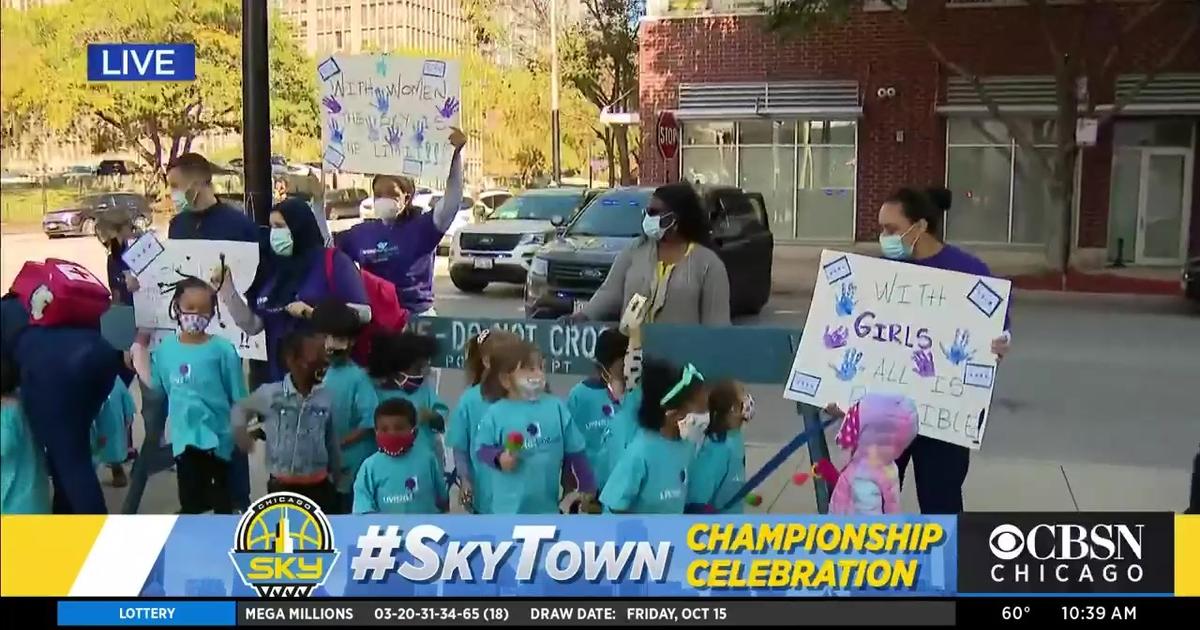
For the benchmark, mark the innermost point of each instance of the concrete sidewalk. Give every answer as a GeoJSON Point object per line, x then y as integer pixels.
{"type": "Point", "coordinates": [1004, 485]}
{"type": "Point", "coordinates": [994, 484]}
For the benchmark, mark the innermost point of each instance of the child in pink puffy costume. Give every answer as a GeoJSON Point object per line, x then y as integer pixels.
{"type": "Point", "coordinates": [876, 431]}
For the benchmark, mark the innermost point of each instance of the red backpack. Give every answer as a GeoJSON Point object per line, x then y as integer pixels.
{"type": "Point", "coordinates": [61, 293]}
{"type": "Point", "coordinates": [387, 315]}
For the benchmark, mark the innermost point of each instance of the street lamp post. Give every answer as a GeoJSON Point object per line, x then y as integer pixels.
{"type": "Point", "coordinates": [555, 152]}
{"type": "Point", "coordinates": [256, 111]}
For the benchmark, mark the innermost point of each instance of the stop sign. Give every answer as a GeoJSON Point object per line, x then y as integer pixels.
{"type": "Point", "coordinates": [667, 135]}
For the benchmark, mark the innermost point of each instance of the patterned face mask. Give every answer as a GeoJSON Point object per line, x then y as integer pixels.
{"type": "Point", "coordinates": [193, 323]}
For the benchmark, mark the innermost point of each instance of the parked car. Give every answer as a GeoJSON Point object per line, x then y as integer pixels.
{"type": "Point", "coordinates": [79, 218]}
{"type": "Point", "coordinates": [344, 203]}
{"type": "Point", "coordinates": [16, 179]}
{"type": "Point", "coordinates": [466, 209]}
{"type": "Point", "coordinates": [1191, 279]}
{"type": "Point", "coordinates": [500, 249]}
{"type": "Point", "coordinates": [569, 269]}
{"type": "Point", "coordinates": [491, 199]}
{"type": "Point", "coordinates": [115, 167]}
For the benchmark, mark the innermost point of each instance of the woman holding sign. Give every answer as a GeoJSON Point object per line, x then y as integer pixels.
{"type": "Point", "coordinates": [400, 246]}
{"type": "Point", "coordinates": [302, 273]}
{"type": "Point", "coordinates": [910, 230]}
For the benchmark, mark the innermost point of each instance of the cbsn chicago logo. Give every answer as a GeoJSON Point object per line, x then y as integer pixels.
{"type": "Point", "coordinates": [1067, 553]}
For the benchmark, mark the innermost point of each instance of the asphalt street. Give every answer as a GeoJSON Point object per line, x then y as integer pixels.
{"type": "Point", "coordinates": [1090, 379]}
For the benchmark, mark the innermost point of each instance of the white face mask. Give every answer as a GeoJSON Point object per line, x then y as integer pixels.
{"type": "Point", "coordinates": [693, 426]}
{"type": "Point", "coordinates": [386, 208]}
{"type": "Point", "coordinates": [748, 408]}
{"type": "Point", "coordinates": [531, 388]}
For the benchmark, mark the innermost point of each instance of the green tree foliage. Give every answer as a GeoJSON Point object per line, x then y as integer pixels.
{"type": "Point", "coordinates": [599, 59]}
{"type": "Point", "coordinates": [45, 48]}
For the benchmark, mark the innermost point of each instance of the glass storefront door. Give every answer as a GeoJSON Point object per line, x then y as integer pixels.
{"type": "Point", "coordinates": [1151, 192]}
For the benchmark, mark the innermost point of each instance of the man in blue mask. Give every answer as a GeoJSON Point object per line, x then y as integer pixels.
{"type": "Point", "coordinates": [201, 216]}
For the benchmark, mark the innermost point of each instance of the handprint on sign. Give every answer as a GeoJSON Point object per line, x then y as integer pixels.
{"type": "Point", "coordinates": [331, 103]}
{"type": "Point", "coordinates": [851, 364]}
{"type": "Point", "coordinates": [382, 102]}
{"type": "Point", "coordinates": [335, 132]}
{"type": "Point", "coordinates": [419, 133]}
{"type": "Point", "coordinates": [448, 108]}
{"type": "Point", "coordinates": [923, 363]}
{"type": "Point", "coordinates": [960, 351]}
{"type": "Point", "coordinates": [845, 300]}
{"type": "Point", "coordinates": [372, 130]}
{"type": "Point", "coordinates": [394, 138]}
{"type": "Point", "coordinates": [836, 338]}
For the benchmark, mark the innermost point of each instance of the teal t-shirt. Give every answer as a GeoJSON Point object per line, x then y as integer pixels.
{"type": "Point", "coordinates": [201, 382]}
{"type": "Point", "coordinates": [718, 472]}
{"type": "Point", "coordinates": [354, 402]}
{"type": "Point", "coordinates": [623, 427]}
{"type": "Point", "coordinates": [423, 398]}
{"type": "Point", "coordinates": [24, 479]}
{"type": "Point", "coordinates": [592, 410]}
{"type": "Point", "coordinates": [460, 435]}
{"type": "Point", "coordinates": [549, 435]}
{"type": "Point", "coordinates": [115, 415]}
{"type": "Point", "coordinates": [412, 483]}
{"type": "Point", "coordinates": [651, 476]}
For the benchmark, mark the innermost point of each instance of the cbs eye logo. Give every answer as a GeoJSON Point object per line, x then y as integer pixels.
{"type": "Point", "coordinates": [1006, 542]}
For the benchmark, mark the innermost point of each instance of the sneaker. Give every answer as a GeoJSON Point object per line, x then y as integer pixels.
{"type": "Point", "coordinates": [119, 478]}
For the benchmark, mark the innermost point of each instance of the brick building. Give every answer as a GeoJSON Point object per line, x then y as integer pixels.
{"type": "Point", "coordinates": [825, 125]}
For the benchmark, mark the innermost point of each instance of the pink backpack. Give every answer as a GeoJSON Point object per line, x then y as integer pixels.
{"type": "Point", "coordinates": [387, 315]}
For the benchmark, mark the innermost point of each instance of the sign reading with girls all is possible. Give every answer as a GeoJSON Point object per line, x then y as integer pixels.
{"type": "Point", "coordinates": [389, 114]}
{"type": "Point", "coordinates": [877, 325]}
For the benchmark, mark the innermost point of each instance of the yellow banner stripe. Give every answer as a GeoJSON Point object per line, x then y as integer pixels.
{"type": "Point", "coordinates": [1187, 555]}
{"type": "Point", "coordinates": [40, 556]}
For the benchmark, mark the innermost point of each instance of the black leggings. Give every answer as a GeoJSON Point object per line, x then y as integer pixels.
{"type": "Point", "coordinates": [203, 482]}
{"type": "Point", "coordinates": [941, 469]}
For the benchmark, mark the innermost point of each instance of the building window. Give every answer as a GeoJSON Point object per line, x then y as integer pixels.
{"type": "Point", "coordinates": [1000, 194]}
{"type": "Point", "coordinates": [805, 170]}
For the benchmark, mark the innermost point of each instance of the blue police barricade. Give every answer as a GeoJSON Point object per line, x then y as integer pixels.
{"type": "Point", "coordinates": [753, 355]}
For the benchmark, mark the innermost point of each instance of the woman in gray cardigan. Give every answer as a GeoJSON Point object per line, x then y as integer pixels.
{"type": "Point", "coordinates": [672, 266]}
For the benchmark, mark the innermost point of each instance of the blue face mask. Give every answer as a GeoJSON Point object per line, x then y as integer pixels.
{"type": "Point", "coordinates": [894, 247]}
{"type": "Point", "coordinates": [281, 241]}
{"type": "Point", "coordinates": [180, 199]}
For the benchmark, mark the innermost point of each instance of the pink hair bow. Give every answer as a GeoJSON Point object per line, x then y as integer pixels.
{"type": "Point", "coordinates": [847, 436]}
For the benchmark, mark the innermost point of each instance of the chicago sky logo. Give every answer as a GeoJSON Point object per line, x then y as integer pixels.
{"type": "Point", "coordinates": [1058, 553]}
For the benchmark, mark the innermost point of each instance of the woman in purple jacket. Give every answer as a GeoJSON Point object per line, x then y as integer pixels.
{"type": "Point", "coordinates": [282, 301]}
{"type": "Point", "coordinates": [400, 246]}
{"type": "Point", "coordinates": [910, 230]}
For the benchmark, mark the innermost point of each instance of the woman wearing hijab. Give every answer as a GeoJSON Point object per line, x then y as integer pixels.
{"type": "Point", "coordinates": [303, 272]}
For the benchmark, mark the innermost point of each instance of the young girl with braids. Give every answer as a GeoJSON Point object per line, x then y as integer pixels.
{"type": "Point", "coordinates": [201, 377]}
{"type": "Point", "coordinates": [474, 481]}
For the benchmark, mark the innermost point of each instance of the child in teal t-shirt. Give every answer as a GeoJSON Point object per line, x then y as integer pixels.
{"type": "Point", "coordinates": [201, 377]}
{"type": "Point", "coordinates": [651, 475]}
{"type": "Point", "coordinates": [400, 365]}
{"type": "Point", "coordinates": [474, 482]}
{"type": "Point", "coordinates": [110, 432]}
{"type": "Point", "coordinates": [354, 397]}
{"type": "Point", "coordinates": [403, 477]}
{"type": "Point", "coordinates": [719, 470]}
{"type": "Point", "coordinates": [24, 480]}
{"type": "Point", "coordinates": [596, 401]}
{"type": "Point", "coordinates": [528, 437]}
